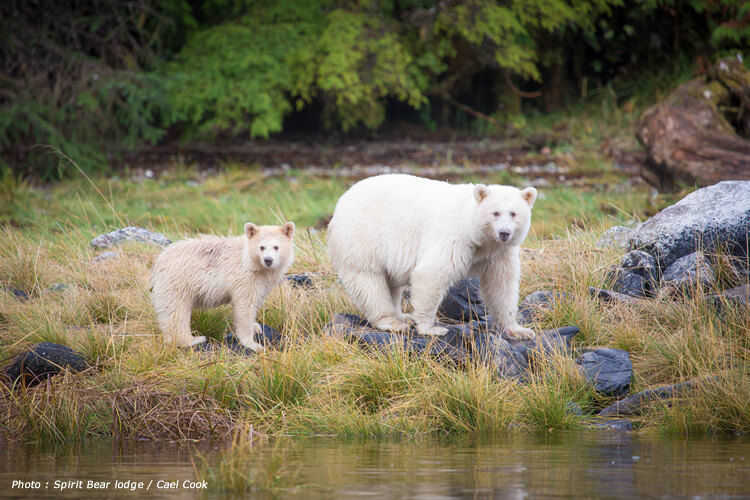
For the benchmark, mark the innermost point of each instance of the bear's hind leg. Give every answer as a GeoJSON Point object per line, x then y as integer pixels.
{"type": "Point", "coordinates": [427, 290]}
{"type": "Point", "coordinates": [175, 325]}
{"type": "Point", "coordinates": [371, 293]}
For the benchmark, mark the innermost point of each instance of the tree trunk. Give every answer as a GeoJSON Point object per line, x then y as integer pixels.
{"type": "Point", "coordinates": [688, 137]}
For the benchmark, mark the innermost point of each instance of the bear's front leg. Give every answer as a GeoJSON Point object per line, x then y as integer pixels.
{"type": "Point", "coordinates": [245, 326]}
{"type": "Point", "coordinates": [499, 281]}
{"type": "Point", "coordinates": [427, 290]}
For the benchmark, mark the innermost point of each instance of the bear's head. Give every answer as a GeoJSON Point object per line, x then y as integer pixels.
{"type": "Point", "coordinates": [270, 247]}
{"type": "Point", "coordinates": [504, 212]}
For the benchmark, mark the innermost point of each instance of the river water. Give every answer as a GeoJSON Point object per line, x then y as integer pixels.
{"type": "Point", "coordinates": [555, 465]}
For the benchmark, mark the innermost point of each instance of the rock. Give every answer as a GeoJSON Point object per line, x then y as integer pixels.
{"type": "Point", "coordinates": [43, 361]}
{"type": "Point", "coordinates": [303, 280]}
{"type": "Point", "coordinates": [271, 339]}
{"type": "Point", "coordinates": [687, 272]}
{"type": "Point", "coordinates": [610, 296]}
{"type": "Point", "coordinates": [463, 303]}
{"type": "Point", "coordinates": [609, 370]}
{"type": "Point", "coordinates": [637, 403]}
{"type": "Point", "coordinates": [494, 350]}
{"type": "Point", "coordinates": [711, 219]}
{"type": "Point", "coordinates": [616, 237]}
{"type": "Point", "coordinates": [734, 297]}
{"type": "Point", "coordinates": [58, 287]}
{"type": "Point", "coordinates": [574, 409]}
{"type": "Point", "coordinates": [639, 274]}
{"type": "Point", "coordinates": [535, 303]}
{"type": "Point", "coordinates": [629, 283]}
{"type": "Point", "coordinates": [613, 424]}
{"type": "Point", "coordinates": [19, 294]}
{"type": "Point", "coordinates": [132, 233]}
{"type": "Point", "coordinates": [104, 257]}
{"type": "Point", "coordinates": [545, 343]}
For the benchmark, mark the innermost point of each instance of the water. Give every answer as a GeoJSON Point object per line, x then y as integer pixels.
{"type": "Point", "coordinates": [572, 465]}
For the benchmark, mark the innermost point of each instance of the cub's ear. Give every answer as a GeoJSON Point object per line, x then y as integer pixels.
{"type": "Point", "coordinates": [529, 195]}
{"type": "Point", "coordinates": [288, 229]}
{"type": "Point", "coordinates": [250, 230]}
{"type": "Point", "coordinates": [480, 192]}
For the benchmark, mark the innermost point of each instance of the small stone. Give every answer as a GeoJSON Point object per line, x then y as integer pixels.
{"type": "Point", "coordinates": [629, 283]}
{"type": "Point", "coordinates": [616, 237]}
{"type": "Point", "coordinates": [609, 370]}
{"type": "Point", "coordinates": [19, 294]}
{"type": "Point", "coordinates": [304, 280]}
{"type": "Point", "coordinates": [104, 257]}
{"type": "Point", "coordinates": [640, 264]}
{"type": "Point", "coordinates": [687, 272]}
{"type": "Point", "coordinates": [43, 361]}
{"type": "Point", "coordinates": [58, 287]}
{"type": "Point", "coordinates": [132, 233]}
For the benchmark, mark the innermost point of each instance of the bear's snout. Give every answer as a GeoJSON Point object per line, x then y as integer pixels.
{"type": "Point", "coordinates": [504, 234]}
{"type": "Point", "coordinates": [268, 261]}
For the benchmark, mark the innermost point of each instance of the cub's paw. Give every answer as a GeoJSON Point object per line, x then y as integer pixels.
{"type": "Point", "coordinates": [254, 346]}
{"type": "Point", "coordinates": [258, 329]}
{"type": "Point", "coordinates": [392, 325]}
{"type": "Point", "coordinates": [196, 340]}
{"type": "Point", "coordinates": [518, 332]}
{"type": "Point", "coordinates": [433, 331]}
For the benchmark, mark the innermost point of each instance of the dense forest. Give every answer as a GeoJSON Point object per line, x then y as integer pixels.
{"type": "Point", "coordinates": [95, 78]}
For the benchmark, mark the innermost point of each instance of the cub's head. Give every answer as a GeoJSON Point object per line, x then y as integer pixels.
{"type": "Point", "coordinates": [270, 247]}
{"type": "Point", "coordinates": [504, 212]}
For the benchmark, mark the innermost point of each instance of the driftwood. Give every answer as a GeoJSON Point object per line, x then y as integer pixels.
{"type": "Point", "coordinates": [696, 134]}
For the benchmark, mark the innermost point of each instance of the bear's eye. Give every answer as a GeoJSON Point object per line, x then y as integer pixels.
{"type": "Point", "coordinates": [262, 248]}
{"type": "Point", "coordinates": [275, 247]}
{"type": "Point", "coordinates": [496, 214]}
{"type": "Point", "coordinates": [512, 214]}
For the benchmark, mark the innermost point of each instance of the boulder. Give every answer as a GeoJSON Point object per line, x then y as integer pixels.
{"type": "Point", "coordinates": [609, 370]}
{"type": "Point", "coordinates": [105, 256]}
{"type": "Point", "coordinates": [614, 424]}
{"type": "Point", "coordinates": [629, 283]}
{"type": "Point", "coordinates": [638, 274]}
{"type": "Point", "coordinates": [546, 342]}
{"type": "Point", "coordinates": [492, 349]}
{"type": "Point", "coordinates": [463, 303]}
{"type": "Point", "coordinates": [534, 304]}
{"type": "Point", "coordinates": [712, 219]}
{"type": "Point", "coordinates": [687, 272]}
{"type": "Point", "coordinates": [132, 233]}
{"type": "Point", "coordinates": [734, 297]}
{"type": "Point", "coordinates": [43, 361]}
{"type": "Point", "coordinates": [616, 237]}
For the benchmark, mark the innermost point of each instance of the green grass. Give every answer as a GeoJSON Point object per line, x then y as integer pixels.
{"type": "Point", "coordinates": [317, 384]}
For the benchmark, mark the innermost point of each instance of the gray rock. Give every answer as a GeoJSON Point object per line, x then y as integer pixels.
{"type": "Point", "coordinates": [639, 274]}
{"type": "Point", "coordinates": [616, 237]}
{"type": "Point", "coordinates": [105, 256]}
{"type": "Point", "coordinates": [494, 350]}
{"type": "Point", "coordinates": [58, 287]}
{"type": "Point", "coordinates": [637, 403]}
{"type": "Point", "coordinates": [304, 280]}
{"type": "Point", "coordinates": [574, 409]}
{"type": "Point", "coordinates": [546, 342]}
{"type": "Point", "coordinates": [534, 304]}
{"type": "Point", "coordinates": [609, 370]}
{"type": "Point", "coordinates": [43, 361]}
{"type": "Point", "coordinates": [710, 219]}
{"type": "Point", "coordinates": [463, 302]}
{"type": "Point", "coordinates": [630, 283]}
{"type": "Point", "coordinates": [613, 424]}
{"type": "Point", "coordinates": [734, 297]}
{"type": "Point", "coordinates": [132, 233]}
{"type": "Point", "coordinates": [610, 296]}
{"type": "Point", "coordinates": [19, 294]}
{"type": "Point", "coordinates": [687, 272]}
{"type": "Point", "coordinates": [270, 338]}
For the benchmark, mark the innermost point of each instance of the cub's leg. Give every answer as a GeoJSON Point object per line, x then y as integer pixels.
{"type": "Point", "coordinates": [173, 315]}
{"type": "Point", "coordinates": [244, 324]}
{"type": "Point", "coordinates": [372, 295]}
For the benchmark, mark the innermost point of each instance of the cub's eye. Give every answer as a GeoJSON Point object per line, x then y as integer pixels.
{"type": "Point", "coordinates": [262, 248]}
{"type": "Point", "coordinates": [276, 247]}
{"type": "Point", "coordinates": [496, 214]}
{"type": "Point", "coordinates": [512, 214]}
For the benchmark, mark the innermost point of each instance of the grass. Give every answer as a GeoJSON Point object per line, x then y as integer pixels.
{"type": "Point", "coordinates": [317, 384]}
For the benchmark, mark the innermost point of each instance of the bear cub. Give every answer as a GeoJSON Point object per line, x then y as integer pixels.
{"type": "Point", "coordinates": [210, 271]}
{"type": "Point", "coordinates": [395, 230]}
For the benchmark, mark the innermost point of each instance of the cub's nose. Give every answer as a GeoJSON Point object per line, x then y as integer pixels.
{"type": "Point", "coordinates": [504, 234]}
{"type": "Point", "coordinates": [268, 261]}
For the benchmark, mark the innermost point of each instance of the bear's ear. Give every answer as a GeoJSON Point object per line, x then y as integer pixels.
{"type": "Point", "coordinates": [529, 195]}
{"type": "Point", "coordinates": [288, 229]}
{"type": "Point", "coordinates": [250, 230]}
{"type": "Point", "coordinates": [480, 192]}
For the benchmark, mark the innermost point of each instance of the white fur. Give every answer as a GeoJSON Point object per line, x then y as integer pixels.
{"type": "Point", "coordinates": [210, 271]}
{"type": "Point", "coordinates": [391, 231]}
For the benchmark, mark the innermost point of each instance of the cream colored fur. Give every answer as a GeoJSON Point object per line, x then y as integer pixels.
{"type": "Point", "coordinates": [210, 271]}
{"type": "Point", "coordinates": [391, 231]}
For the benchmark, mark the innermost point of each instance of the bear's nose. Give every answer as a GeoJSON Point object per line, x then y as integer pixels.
{"type": "Point", "coordinates": [268, 261]}
{"type": "Point", "coordinates": [504, 234]}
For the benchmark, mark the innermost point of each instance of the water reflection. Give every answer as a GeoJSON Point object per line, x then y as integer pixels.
{"type": "Point", "coordinates": [555, 465]}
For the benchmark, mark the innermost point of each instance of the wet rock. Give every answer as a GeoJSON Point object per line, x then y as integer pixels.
{"type": "Point", "coordinates": [463, 303]}
{"type": "Point", "coordinates": [132, 233]}
{"type": "Point", "coordinates": [104, 257]}
{"type": "Point", "coordinates": [687, 272]}
{"type": "Point", "coordinates": [609, 370]}
{"type": "Point", "coordinates": [613, 424]}
{"type": "Point", "coordinates": [43, 361]}
{"type": "Point", "coordinates": [638, 403]}
{"type": "Point", "coordinates": [610, 295]}
{"type": "Point", "coordinates": [616, 237]}
{"type": "Point", "coordinates": [710, 219]}
{"type": "Point", "coordinates": [734, 297]}
{"type": "Point", "coordinates": [303, 280]}
{"type": "Point", "coordinates": [534, 304]}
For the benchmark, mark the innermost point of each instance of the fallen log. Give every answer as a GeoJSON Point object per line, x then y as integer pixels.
{"type": "Point", "coordinates": [699, 133]}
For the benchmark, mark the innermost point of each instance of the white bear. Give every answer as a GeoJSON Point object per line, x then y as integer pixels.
{"type": "Point", "coordinates": [394, 230]}
{"type": "Point", "coordinates": [210, 271]}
